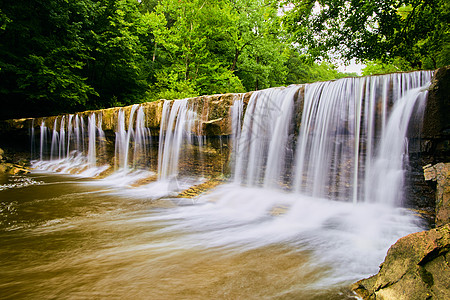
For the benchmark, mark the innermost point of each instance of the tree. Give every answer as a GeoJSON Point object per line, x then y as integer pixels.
{"type": "Point", "coordinates": [60, 55]}
{"type": "Point", "coordinates": [378, 67]}
{"type": "Point", "coordinates": [258, 45]}
{"type": "Point", "coordinates": [191, 37]}
{"type": "Point", "coordinates": [42, 54]}
{"type": "Point", "coordinates": [120, 43]}
{"type": "Point", "coordinates": [415, 30]}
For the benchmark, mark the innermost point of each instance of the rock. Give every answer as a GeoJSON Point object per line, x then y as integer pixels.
{"type": "Point", "coordinates": [6, 167]}
{"type": "Point", "coordinates": [16, 170]}
{"type": "Point", "coordinates": [201, 188]}
{"type": "Point", "coordinates": [436, 120]}
{"type": "Point", "coordinates": [415, 267]}
{"type": "Point", "coordinates": [441, 174]}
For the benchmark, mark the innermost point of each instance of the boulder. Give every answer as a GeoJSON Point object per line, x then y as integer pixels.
{"type": "Point", "coordinates": [415, 267]}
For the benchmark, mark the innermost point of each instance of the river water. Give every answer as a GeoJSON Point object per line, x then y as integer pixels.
{"type": "Point", "coordinates": [307, 207]}
{"type": "Point", "coordinates": [66, 237]}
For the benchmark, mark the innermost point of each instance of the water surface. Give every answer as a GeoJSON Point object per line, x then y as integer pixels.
{"type": "Point", "coordinates": [66, 237]}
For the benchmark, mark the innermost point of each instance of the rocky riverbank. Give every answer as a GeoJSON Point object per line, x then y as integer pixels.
{"type": "Point", "coordinates": [10, 164]}
{"type": "Point", "coordinates": [416, 267]}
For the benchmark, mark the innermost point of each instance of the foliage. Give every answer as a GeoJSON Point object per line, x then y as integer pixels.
{"type": "Point", "coordinates": [69, 55]}
{"type": "Point", "coordinates": [379, 67]}
{"type": "Point", "coordinates": [64, 56]}
{"type": "Point", "coordinates": [191, 39]}
{"type": "Point", "coordinates": [302, 70]}
{"type": "Point", "coordinates": [415, 30]}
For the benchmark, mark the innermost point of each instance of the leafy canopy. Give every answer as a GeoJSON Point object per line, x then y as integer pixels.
{"type": "Point", "coordinates": [65, 56]}
{"type": "Point", "coordinates": [415, 31]}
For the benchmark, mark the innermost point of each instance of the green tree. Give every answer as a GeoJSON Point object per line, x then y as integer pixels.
{"type": "Point", "coordinates": [379, 67]}
{"type": "Point", "coordinates": [258, 47]}
{"type": "Point", "coordinates": [60, 55]}
{"type": "Point", "coordinates": [191, 42]}
{"type": "Point", "coordinates": [42, 56]}
{"type": "Point", "coordinates": [415, 30]}
{"type": "Point", "coordinates": [120, 43]}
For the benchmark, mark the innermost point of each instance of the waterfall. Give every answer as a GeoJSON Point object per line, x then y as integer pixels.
{"type": "Point", "coordinates": [351, 139]}
{"type": "Point", "coordinates": [62, 139]}
{"type": "Point", "coordinates": [123, 139]}
{"type": "Point", "coordinates": [55, 141]}
{"type": "Point", "coordinates": [387, 174]}
{"type": "Point", "coordinates": [92, 156]}
{"type": "Point", "coordinates": [131, 145]}
{"type": "Point", "coordinates": [32, 155]}
{"type": "Point", "coordinates": [341, 140]}
{"type": "Point", "coordinates": [176, 124]}
{"type": "Point", "coordinates": [43, 140]}
{"type": "Point", "coordinates": [69, 134]}
{"type": "Point", "coordinates": [67, 146]}
{"type": "Point", "coordinates": [79, 133]}
{"type": "Point", "coordinates": [142, 140]}
{"type": "Point", "coordinates": [263, 142]}
{"type": "Point", "coordinates": [237, 111]}
{"type": "Point", "coordinates": [101, 138]}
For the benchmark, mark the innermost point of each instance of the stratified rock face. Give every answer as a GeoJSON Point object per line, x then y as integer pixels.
{"type": "Point", "coordinates": [436, 125]}
{"type": "Point", "coordinates": [438, 106]}
{"type": "Point", "coordinates": [416, 267]}
{"type": "Point", "coordinates": [212, 111]}
{"type": "Point", "coordinates": [441, 174]}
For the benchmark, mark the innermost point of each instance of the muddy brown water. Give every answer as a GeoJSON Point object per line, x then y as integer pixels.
{"type": "Point", "coordinates": [64, 237]}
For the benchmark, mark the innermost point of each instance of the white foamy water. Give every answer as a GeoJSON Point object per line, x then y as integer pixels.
{"type": "Point", "coordinates": [351, 240]}
{"type": "Point", "coordinates": [75, 164]}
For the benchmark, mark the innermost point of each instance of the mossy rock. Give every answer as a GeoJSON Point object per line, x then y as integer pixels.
{"type": "Point", "coordinates": [415, 267]}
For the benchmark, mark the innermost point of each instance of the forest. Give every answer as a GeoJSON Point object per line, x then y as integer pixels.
{"type": "Point", "coordinates": [73, 55]}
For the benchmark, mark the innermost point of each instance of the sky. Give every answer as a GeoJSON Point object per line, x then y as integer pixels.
{"type": "Point", "coordinates": [353, 67]}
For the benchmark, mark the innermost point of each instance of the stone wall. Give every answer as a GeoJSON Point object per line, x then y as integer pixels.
{"type": "Point", "coordinates": [212, 111]}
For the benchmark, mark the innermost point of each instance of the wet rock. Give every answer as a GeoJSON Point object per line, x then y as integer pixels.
{"type": "Point", "coordinates": [436, 122]}
{"type": "Point", "coordinates": [415, 267]}
{"type": "Point", "coordinates": [198, 189]}
{"type": "Point", "coordinates": [8, 167]}
{"type": "Point", "coordinates": [440, 173]}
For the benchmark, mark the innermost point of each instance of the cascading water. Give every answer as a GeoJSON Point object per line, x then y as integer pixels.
{"type": "Point", "coordinates": [92, 155]}
{"type": "Point", "coordinates": [54, 149]}
{"type": "Point", "coordinates": [42, 141]}
{"type": "Point", "coordinates": [335, 153]}
{"type": "Point", "coordinates": [387, 173]}
{"type": "Point", "coordinates": [142, 141]}
{"type": "Point", "coordinates": [176, 125]}
{"type": "Point", "coordinates": [62, 139]}
{"type": "Point", "coordinates": [295, 151]}
{"type": "Point", "coordinates": [67, 151]}
{"type": "Point", "coordinates": [131, 146]}
{"type": "Point", "coordinates": [342, 124]}
{"type": "Point", "coordinates": [263, 140]}
{"type": "Point", "coordinates": [237, 111]}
